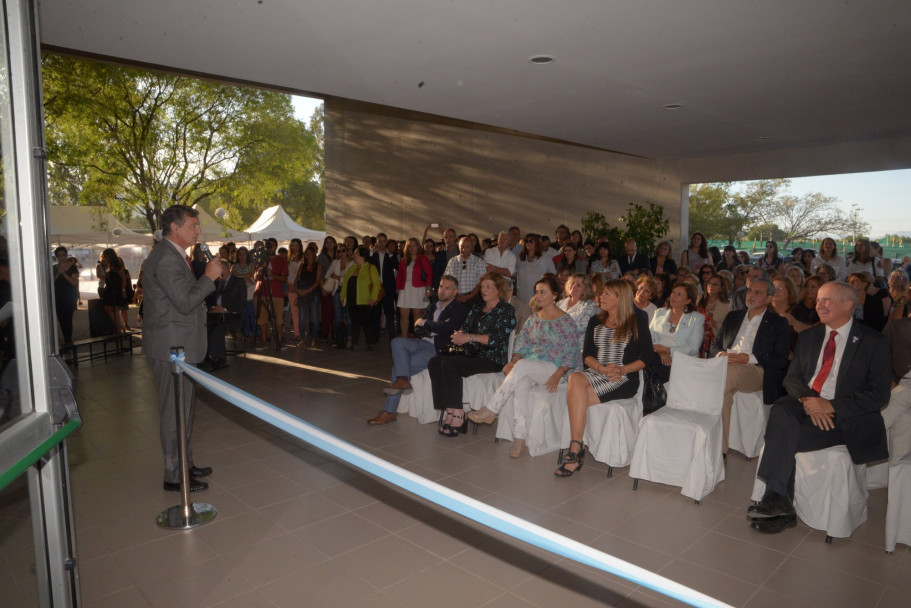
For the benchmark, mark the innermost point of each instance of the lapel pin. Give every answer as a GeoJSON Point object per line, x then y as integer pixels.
{"type": "Point", "coordinates": [854, 340]}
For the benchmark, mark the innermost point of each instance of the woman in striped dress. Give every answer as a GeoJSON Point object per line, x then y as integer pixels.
{"type": "Point", "coordinates": [617, 345]}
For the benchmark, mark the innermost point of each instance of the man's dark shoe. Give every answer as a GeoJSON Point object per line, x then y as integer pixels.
{"type": "Point", "coordinates": [219, 363]}
{"type": "Point", "coordinates": [383, 417]}
{"type": "Point", "coordinates": [771, 505]}
{"type": "Point", "coordinates": [195, 486]}
{"type": "Point", "coordinates": [200, 471]}
{"type": "Point", "coordinates": [774, 525]}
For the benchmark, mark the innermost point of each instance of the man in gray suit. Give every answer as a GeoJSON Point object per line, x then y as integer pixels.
{"type": "Point", "coordinates": [174, 315]}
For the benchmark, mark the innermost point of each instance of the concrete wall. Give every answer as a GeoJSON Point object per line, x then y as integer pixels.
{"type": "Point", "coordinates": [393, 171]}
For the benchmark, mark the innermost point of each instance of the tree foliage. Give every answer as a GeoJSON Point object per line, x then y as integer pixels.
{"type": "Point", "coordinates": [646, 225]}
{"type": "Point", "coordinates": [765, 208]}
{"type": "Point", "coordinates": [139, 141]}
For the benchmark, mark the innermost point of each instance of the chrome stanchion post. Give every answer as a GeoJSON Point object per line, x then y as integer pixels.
{"type": "Point", "coordinates": [186, 515]}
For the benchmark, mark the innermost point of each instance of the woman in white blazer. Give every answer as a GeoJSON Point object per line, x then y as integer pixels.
{"type": "Point", "coordinates": [678, 328]}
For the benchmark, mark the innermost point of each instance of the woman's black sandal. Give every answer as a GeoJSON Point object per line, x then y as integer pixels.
{"type": "Point", "coordinates": [577, 458]}
{"type": "Point", "coordinates": [452, 430]}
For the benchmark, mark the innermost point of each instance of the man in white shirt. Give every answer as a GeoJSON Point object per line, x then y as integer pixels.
{"type": "Point", "coordinates": [756, 342]}
{"type": "Point", "coordinates": [468, 270]}
{"type": "Point", "coordinates": [500, 260]}
{"type": "Point", "coordinates": [837, 383]}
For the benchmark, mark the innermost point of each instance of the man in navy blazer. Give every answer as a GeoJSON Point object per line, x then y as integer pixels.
{"type": "Point", "coordinates": [827, 404]}
{"type": "Point", "coordinates": [410, 355]}
{"type": "Point", "coordinates": [633, 260]}
{"type": "Point", "coordinates": [756, 342]}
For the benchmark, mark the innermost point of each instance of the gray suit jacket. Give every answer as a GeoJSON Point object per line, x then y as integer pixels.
{"type": "Point", "coordinates": [173, 309]}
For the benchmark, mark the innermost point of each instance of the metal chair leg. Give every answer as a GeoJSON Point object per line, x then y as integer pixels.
{"type": "Point", "coordinates": [635, 484]}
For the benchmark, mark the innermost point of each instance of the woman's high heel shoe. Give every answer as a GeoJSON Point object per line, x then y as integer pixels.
{"type": "Point", "coordinates": [454, 427]}
{"type": "Point", "coordinates": [443, 429]}
{"type": "Point", "coordinates": [577, 458]}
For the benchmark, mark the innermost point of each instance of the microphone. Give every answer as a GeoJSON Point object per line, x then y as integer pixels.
{"type": "Point", "coordinates": [206, 251]}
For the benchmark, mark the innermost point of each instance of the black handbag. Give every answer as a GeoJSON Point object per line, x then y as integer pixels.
{"type": "Point", "coordinates": [654, 395]}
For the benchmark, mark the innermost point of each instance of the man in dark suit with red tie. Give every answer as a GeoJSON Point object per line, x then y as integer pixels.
{"type": "Point", "coordinates": [836, 385]}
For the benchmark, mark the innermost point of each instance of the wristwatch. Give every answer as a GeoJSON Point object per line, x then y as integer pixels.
{"type": "Point", "coordinates": [471, 338]}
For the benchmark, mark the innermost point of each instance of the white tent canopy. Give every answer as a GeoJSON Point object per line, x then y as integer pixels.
{"type": "Point", "coordinates": [83, 225]}
{"type": "Point", "coordinates": [213, 231]}
{"type": "Point", "coordinates": [277, 224]}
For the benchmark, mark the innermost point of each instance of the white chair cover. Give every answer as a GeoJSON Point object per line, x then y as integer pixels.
{"type": "Point", "coordinates": [830, 491]}
{"type": "Point", "coordinates": [612, 429]}
{"type": "Point", "coordinates": [898, 512]}
{"type": "Point", "coordinates": [749, 416]}
{"type": "Point", "coordinates": [547, 421]}
{"type": "Point", "coordinates": [680, 444]}
{"type": "Point", "coordinates": [476, 392]}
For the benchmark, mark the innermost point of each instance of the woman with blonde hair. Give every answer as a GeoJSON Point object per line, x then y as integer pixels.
{"type": "Point", "coordinates": [579, 302]}
{"type": "Point", "coordinates": [414, 278]}
{"type": "Point", "coordinates": [645, 291]}
{"type": "Point", "coordinates": [663, 262]}
{"type": "Point", "coordinates": [617, 345]}
{"type": "Point", "coordinates": [828, 254]}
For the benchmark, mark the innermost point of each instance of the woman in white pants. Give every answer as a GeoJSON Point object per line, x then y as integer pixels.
{"type": "Point", "coordinates": [546, 349]}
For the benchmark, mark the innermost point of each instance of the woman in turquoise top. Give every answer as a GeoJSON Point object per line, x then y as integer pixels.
{"type": "Point", "coordinates": [546, 350]}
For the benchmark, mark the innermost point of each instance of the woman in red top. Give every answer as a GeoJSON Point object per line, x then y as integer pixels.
{"type": "Point", "coordinates": [414, 278]}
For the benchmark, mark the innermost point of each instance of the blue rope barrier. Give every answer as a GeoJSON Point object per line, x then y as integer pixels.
{"type": "Point", "coordinates": [449, 499]}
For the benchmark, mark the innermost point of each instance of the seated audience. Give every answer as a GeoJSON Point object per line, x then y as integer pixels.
{"type": "Point", "coordinates": [645, 288]}
{"type": "Point", "coordinates": [485, 331]}
{"type": "Point", "coordinates": [617, 345]}
{"type": "Point", "coordinates": [411, 355]}
{"type": "Point", "coordinates": [714, 305]}
{"type": "Point", "coordinates": [783, 303]}
{"type": "Point", "coordinates": [899, 333]}
{"type": "Point", "coordinates": [873, 303]}
{"type": "Point", "coordinates": [729, 259]}
{"type": "Point", "coordinates": [545, 351]}
{"type": "Point", "coordinates": [797, 275]}
{"type": "Point", "coordinates": [898, 288]}
{"type": "Point", "coordinates": [804, 312]}
{"type": "Point", "coordinates": [755, 342]}
{"type": "Point", "coordinates": [570, 260]}
{"type": "Point", "coordinates": [633, 260]}
{"type": "Point", "coordinates": [579, 302]}
{"type": "Point", "coordinates": [679, 328]}
{"type": "Point", "coordinates": [663, 262]}
{"type": "Point", "coordinates": [771, 260]}
{"type": "Point", "coordinates": [835, 387]}
{"type": "Point", "coordinates": [604, 263]}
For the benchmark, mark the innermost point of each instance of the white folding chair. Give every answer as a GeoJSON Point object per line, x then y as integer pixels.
{"type": "Point", "coordinates": [680, 444]}
{"type": "Point", "coordinates": [830, 491]}
{"type": "Point", "coordinates": [749, 416]}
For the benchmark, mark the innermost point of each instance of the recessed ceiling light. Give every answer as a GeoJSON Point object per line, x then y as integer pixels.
{"type": "Point", "coordinates": [541, 59]}
{"type": "Point", "coordinates": [759, 138]}
{"type": "Point", "coordinates": [673, 106]}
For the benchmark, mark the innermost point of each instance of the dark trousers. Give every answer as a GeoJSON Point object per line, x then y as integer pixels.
{"type": "Point", "coordinates": [362, 319]}
{"type": "Point", "coordinates": [327, 315]}
{"type": "Point", "coordinates": [385, 307]}
{"type": "Point", "coordinates": [788, 432]}
{"type": "Point", "coordinates": [65, 311]}
{"type": "Point", "coordinates": [446, 373]}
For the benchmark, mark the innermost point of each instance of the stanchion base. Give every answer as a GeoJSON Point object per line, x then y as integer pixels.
{"type": "Point", "coordinates": [173, 517]}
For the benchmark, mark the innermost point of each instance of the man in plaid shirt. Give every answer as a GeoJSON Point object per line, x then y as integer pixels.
{"type": "Point", "coordinates": [468, 269]}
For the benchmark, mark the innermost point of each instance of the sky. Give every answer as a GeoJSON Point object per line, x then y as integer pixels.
{"type": "Point", "coordinates": [882, 197]}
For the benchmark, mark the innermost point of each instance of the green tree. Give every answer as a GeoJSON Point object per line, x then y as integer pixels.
{"type": "Point", "coordinates": [716, 212]}
{"type": "Point", "coordinates": [140, 141]}
{"type": "Point", "coordinates": [646, 225]}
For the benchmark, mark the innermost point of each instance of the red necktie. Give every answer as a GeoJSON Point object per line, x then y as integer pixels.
{"type": "Point", "coordinates": [189, 262]}
{"type": "Point", "coordinates": [828, 357]}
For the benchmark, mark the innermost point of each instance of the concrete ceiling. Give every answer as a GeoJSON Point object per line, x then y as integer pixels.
{"type": "Point", "coordinates": [749, 76]}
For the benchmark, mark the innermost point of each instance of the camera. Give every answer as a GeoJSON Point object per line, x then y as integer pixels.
{"type": "Point", "coordinates": [260, 256]}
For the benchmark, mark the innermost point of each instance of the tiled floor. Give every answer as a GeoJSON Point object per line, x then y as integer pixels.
{"type": "Point", "coordinates": [296, 528]}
